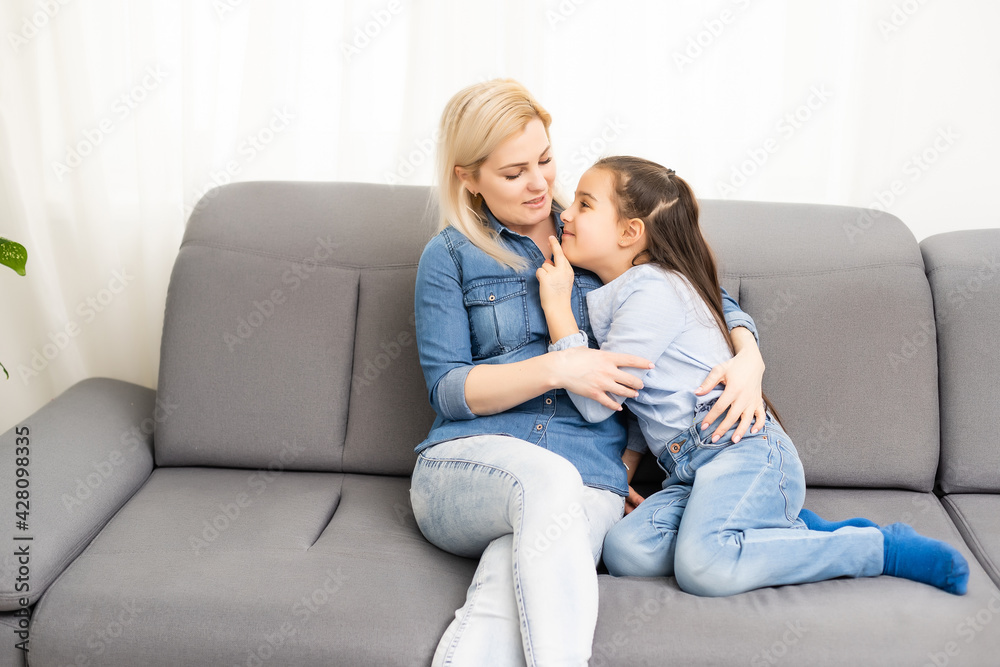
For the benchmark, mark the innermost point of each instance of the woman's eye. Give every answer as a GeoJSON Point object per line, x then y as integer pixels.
{"type": "Point", "coordinates": [545, 161]}
{"type": "Point", "coordinates": [511, 178]}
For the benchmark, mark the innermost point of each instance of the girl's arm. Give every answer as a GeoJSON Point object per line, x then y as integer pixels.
{"type": "Point", "coordinates": [644, 324]}
{"type": "Point", "coordinates": [460, 389]}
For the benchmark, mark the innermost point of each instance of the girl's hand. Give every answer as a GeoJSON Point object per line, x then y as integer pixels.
{"type": "Point", "coordinates": [555, 279]}
{"type": "Point", "coordinates": [742, 376]}
{"type": "Point", "coordinates": [591, 373]}
{"type": "Point", "coordinates": [633, 500]}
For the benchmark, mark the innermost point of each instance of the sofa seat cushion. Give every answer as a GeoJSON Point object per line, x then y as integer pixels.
{"type": "Point", "coordinates": [237, 567]}
{"type": "Point", "coordinates": [871, 621]}
{"type": "Point", "coordinates": [978, 519]}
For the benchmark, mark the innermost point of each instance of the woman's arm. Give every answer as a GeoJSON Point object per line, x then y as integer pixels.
{"type": "Point", "coordinates": [742, 375]}
{"type": "Point", "coordinates": [460, 389]}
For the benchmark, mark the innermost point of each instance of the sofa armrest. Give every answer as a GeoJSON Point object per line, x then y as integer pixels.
{"type": "Point", "coordinates": [64, 472]}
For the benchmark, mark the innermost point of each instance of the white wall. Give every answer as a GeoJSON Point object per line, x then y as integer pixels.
{"type": "Point", "coordinates": [166, 97]}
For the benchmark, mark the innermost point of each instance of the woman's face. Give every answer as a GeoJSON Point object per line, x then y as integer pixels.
{"type": "Point", "coordinates": [516, 179]}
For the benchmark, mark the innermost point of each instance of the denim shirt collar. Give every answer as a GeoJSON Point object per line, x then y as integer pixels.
{"type": "Point", "coordinates": [500, 228]}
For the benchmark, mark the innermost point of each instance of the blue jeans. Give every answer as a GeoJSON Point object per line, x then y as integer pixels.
{"type": "Point", "coordinates": [537, 530]}
{"type": "Point", "coordinates": [726, 520]}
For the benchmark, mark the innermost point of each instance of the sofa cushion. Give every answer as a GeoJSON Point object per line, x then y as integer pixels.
{"type": "Point", "coordinates": [235, 567]}
{"type": "Point", "coordinates": [838, 294]}
{"type": "Point", "coordinates": [978, 519]}
{"type": "Point", "coordinates": [88, 450]}
{"type": "Point", "coordinates": [870, 621]}
{"type": "Point", "coordinates": [964, 272]}
{"type": "Point", "coordinates": [10, 626]}
{"type": "Point", "coordinates": [280, 295]}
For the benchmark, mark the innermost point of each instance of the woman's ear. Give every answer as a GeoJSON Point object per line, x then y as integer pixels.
{"type": "Point", "coordinates": [634, 231]}
{"type": "Point", "coordinates": [465, 176]}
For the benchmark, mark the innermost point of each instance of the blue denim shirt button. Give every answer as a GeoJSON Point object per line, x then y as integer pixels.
{"type": "Point", "coordinates": [548, 401]}
{"type": "Point", "coordinates": [538, 427]}
{"type": "Point", "coordinates": [492, 297]}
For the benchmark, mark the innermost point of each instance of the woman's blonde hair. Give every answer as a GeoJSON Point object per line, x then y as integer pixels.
{"type": "Point", "coordinates": [476, 120]}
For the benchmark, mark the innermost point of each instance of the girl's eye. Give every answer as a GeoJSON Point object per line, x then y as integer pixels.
{"type": "Point", "coordinates": [584, 204]}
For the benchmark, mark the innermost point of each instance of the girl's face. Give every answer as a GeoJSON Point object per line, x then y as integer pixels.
{"type": "Point", "coordinates": [516, 179]}
{"type": "Point", "coordinates": [592, 229]}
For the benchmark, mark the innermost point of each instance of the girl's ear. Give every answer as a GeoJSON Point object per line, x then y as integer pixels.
{"type": "Point", "coordinates": [634, 231]}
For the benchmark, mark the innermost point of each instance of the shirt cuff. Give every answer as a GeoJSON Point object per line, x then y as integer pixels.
{"type": "Point", "coordinates": [579, 339]}
{"type": "Point", "coordinates": [636, 440]}
{"type": "Point", "coordinates": [451, 394]}
{"type": "Point", "coordinates": [746, 323]}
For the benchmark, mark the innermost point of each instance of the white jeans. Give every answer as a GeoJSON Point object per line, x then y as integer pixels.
{"type": "Point", "coordinates": [538, 531]}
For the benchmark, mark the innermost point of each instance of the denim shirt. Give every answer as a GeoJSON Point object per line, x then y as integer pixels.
{"type": "Point", "coordinates": [656, 314]}
{"type": "Point", "coordinates": [472, 310]}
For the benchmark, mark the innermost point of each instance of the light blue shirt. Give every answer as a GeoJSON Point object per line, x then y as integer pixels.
{"type": "Point", "coordinates": [656, 314]}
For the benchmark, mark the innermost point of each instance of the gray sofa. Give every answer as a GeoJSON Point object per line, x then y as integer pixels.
{"type": "Point", "coordinates": [254, 509]}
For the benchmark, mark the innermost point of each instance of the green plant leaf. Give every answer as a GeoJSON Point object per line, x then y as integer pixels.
{"type": "Point", "coordinates": [5, 371]}
{"type": "Point", "coordinates": [13, 254]}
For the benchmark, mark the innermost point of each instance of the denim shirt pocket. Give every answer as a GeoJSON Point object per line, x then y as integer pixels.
{"type": "Point", "coordinates": [498, 315]}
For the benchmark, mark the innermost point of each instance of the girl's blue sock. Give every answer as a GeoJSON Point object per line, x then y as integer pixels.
{"type": "Point", "coordinates": [814, 521]}
{"type": "Point", "coordinates": [912, 556]}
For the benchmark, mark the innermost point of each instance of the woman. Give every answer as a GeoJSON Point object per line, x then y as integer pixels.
{"type": "Point", "coordinates": [511, 472]}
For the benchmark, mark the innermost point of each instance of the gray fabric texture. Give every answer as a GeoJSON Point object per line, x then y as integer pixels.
{"type": "Point", "coordinates": [89, 450]}
{"type": "Point", "coordinates": [872, 621]}
{"type": "Point", "coordinates": [262, 332]}
{"type": "Point", "coordinates": [377, 593]}
{"type": "Point", "coordinates": [10, 655]}
{"type": "Point", "coordinates": [834, 310]}
{"type": "Point", "coordinates": [964, 273]}
{"type": "Point", "coordinates": [978, 519]}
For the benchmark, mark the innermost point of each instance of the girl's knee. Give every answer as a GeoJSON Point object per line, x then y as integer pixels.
{"type": "Point", "coordinates": [630, 554]}
{"type": "Point", "coordinates": [707, 573]}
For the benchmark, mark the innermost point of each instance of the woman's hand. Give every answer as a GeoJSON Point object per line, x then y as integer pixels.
{"type": "Point", "coordinates": [742, 376]}
{"type": "Point", "coordinates": [591, 373]}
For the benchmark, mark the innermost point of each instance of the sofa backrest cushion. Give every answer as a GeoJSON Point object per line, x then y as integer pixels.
{"type": "Point", "coordinates": [964, 273]}
{"type": "Point", "coordinates": [288, 334]}
{"type": "Point", "coordinates": [846, 323]}
{"type": "Point", "coordinates": [289, 340]}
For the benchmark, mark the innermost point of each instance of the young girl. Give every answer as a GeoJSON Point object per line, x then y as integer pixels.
{"type": "Point", "coordinates": [728, 517]}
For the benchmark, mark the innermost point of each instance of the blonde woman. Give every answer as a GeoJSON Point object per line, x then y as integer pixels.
{"type": "Point", "coordinates": [511, 473]}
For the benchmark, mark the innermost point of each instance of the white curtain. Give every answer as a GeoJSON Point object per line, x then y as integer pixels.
{"type": "Point", "coordinates": [116, 115]}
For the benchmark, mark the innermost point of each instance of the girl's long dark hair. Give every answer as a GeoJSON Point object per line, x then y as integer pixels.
{"type": "Point", "coordinates": [665, 203]}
